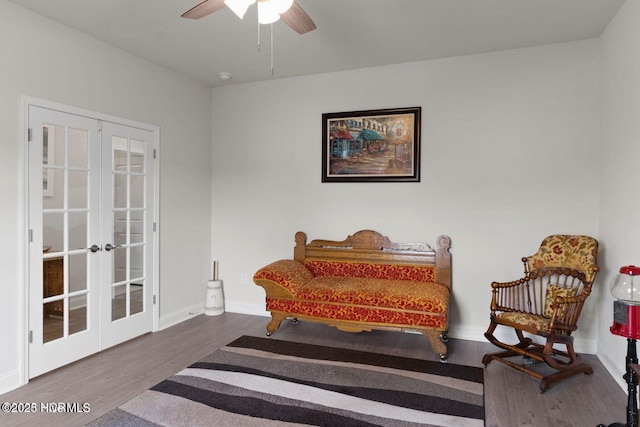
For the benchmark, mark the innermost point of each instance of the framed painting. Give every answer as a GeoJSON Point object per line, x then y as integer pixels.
{"type": "Point", "coordinates": [371, 146]}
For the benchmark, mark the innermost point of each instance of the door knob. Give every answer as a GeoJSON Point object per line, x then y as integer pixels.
{"type": "Point", "coordinates": [108, 247]}
{"type": "Point", "coordinates": [94, 248]}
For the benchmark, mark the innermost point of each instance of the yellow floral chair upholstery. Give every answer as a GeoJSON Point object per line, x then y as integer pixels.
{"type": "Point", "coordinates": [546, 302]}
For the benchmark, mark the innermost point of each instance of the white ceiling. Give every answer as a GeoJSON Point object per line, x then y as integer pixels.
{"type": "Point", "coordinates": [351, 33]}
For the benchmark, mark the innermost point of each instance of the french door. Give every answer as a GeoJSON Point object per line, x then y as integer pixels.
{"type": "Point", "coordinates": [91, 236]}
{"type": "Point", "coordinates": [127, 285]}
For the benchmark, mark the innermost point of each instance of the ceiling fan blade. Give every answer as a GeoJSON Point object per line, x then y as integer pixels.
{"type": "Point", "coordinates": [298, 19]}
{"type": "Point", "coordinates": [203, 9]}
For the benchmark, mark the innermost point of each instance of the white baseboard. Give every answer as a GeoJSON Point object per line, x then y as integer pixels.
{"type": "Point", "coordinates": [243, 308]}
{"type": "Point", "coordinates": [614, 370]}
{"type": "Point", "coordinates": [9, 381]}
{"type": "Point", "coordinates": [181, 315]}
{"type": "Point", "coordinates": [470, 333]}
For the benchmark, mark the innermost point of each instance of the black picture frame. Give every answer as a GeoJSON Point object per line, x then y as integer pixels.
{"type": "Point", "coordinates": [371, 145]}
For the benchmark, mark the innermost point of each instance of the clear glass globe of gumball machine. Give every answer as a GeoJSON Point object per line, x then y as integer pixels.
{"type": "Point", "coordinates": [625, 286]}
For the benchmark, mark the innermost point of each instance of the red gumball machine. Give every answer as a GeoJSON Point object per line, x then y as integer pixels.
{"type": "Point", "coordinates": [625, 287]}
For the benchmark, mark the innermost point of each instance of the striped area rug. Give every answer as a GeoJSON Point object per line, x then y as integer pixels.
{"type": "Point", "coordinates": [267, 382]}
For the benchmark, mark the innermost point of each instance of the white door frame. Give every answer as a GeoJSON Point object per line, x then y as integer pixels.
{"type": "Point", "coordinates": [27, 101]}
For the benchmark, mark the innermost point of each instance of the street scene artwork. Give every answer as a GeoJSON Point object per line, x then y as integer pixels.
{"type": "Point", "coordinates": [373, 145]}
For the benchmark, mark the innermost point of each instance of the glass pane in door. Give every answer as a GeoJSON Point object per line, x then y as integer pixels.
{"type": "Point", "coordinates": [78, 236]}
{"type": "Point", "coordinates": [120, 227]}
{"type": "Point", "coordinates": [119, 265]}
{"type": "Point", "coordinates": [77, 314]}
{"type": "Point", "coordinates": [78, 271]}
{"type": "Point", "coordinates": [52, 199]}
{"type": "Point", "coordinates": [137, 296]}
{"type": "Point", "coordinates": [137, 156]}
{"type": "Point", "coordinates": [137, 191]}
{"type": "Point", "coordinates": [78, 189]}
{"type": "Point", "coordinates": [119, 302]}
{"type": "Point", "coordinates": [53, 229]}
{"type": "Point", "coordinates": [78, 149]}
{"type": "Point", "coordinates": [53, 324]}
{"type": "Point", "coordinates": [120, 148]}
{"type": "Point", "coordinates": [136, 226]}
{"type": "Point", "coordinates": [120, 190]}
{"type": "Point", "coordinates": [53, 150]}
{"type": "Point", "coordinates": [53, 277]}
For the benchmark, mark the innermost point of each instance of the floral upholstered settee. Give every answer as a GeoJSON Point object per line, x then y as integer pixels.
{"type": "Point", "coordinates": [362, 283]}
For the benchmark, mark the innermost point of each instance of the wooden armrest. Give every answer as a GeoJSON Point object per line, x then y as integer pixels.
{"type": "Point", "coordinates": [566, 312]}
{"type": "Point", "coordinates": [559, 300]}
{"type": "Point", "coordinates": [502, 285]}
{"type": "Point", "coordinates": [497, 303]}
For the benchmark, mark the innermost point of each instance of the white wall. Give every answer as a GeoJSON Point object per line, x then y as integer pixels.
{"type": "Point", "coordinates": [620, 167]}
{"type": "Point", "coordinates": [43, 59]}
{"type": "Point", "coordinates": [509, 155]}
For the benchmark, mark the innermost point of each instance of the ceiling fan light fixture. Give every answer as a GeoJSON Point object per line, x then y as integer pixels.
{"type": "Point", "coordinates": [281, 6]}
{"type": "Point", "coordinates": [267, 13]}
{"type": "Point", "coordinates": [239, 7]}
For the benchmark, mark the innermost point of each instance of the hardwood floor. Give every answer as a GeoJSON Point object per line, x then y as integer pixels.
{"type": "Point", "coordinates": [108, 379]}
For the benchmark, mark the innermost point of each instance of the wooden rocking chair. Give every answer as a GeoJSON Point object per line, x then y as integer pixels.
{"type": "Point", "coordinates": [546, 302]}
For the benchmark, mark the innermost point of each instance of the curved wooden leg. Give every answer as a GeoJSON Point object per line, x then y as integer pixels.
{"type": "Point", "coordinates": [547, 381]}
{"type": "Point", "coordinates": [276, 320]}
{"type": "Point", "coordinates": [518, 349]}
{"type": "Point", "coordinates": [436, 343]}
{"type": "Point", "coordinates": [573, 366]}
{"type": "Point", "coordinates": [524, 342]}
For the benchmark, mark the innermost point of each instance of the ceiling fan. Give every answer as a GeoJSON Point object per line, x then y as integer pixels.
{"type": "Point", "coordinates": [269, 11]}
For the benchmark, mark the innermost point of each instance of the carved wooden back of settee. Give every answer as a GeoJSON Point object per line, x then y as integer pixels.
{"type": "Point", "coordinates": [371, 246]}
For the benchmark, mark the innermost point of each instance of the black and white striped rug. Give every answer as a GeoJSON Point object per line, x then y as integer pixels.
{"type": "Point", "coordinates": [267, 382]}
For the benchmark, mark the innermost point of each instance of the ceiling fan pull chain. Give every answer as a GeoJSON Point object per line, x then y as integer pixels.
{"type": "Point", "coordinates": [258, 36]}
{"type": "Point", "coordinates": [272, 49]}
